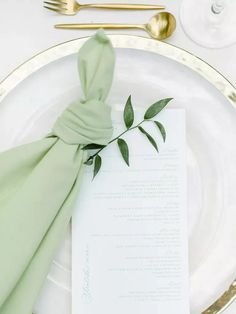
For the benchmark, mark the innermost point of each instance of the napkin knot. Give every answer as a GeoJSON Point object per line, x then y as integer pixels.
{"type": "Point", "coordinates": [84, 123]}
{"type": "Point", "coordinates": [89, 121]}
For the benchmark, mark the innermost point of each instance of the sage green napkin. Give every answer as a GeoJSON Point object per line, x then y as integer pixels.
{"type": "Point", "coordinates": [39, 182]}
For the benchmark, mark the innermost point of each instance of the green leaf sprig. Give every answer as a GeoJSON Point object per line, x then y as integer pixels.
{"type": "Point", "coordinates": [128, 116]}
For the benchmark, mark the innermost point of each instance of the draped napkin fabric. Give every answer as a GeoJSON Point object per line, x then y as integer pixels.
{"type": "Point", "coordinates": [39, 182]}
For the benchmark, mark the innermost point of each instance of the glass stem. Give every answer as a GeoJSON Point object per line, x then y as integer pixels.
{"type": "Point", "coordinates": [218, 6]}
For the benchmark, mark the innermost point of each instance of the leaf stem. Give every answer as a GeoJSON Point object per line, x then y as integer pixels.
{"type": "Point", "coordinates": [116, 138]}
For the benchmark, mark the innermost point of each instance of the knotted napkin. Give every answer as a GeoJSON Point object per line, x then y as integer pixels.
{"type": "Point", "coordinates": [39, 182]}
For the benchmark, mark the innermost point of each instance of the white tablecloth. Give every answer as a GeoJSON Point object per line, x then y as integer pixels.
{"type": "Point", "coordinates": [27, 28]}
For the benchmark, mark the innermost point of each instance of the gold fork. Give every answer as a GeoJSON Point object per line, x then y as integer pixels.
{"type": "Point", "coordinates": [71, 7]}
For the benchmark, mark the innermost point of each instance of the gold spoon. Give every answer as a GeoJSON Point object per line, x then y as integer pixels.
{"type": "Point", "coordinates": [160, 26]}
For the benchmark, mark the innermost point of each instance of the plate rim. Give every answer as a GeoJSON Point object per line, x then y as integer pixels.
{"type": "Point", "coordinates": [180, 55]}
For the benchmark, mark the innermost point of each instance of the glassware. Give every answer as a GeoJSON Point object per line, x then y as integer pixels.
{"type": "Point", "coordinates": [209, 23]}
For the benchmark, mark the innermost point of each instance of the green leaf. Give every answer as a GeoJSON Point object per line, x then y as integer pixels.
{"type": "Point", "coordinates": [89, 161]}
{"type": "Point", "coordinates": [154, 109]}
{"type": "Point", "coordinates": [128, 113]}
{"type": "Point", "coordinates": [124, 149]}
{"type": "Point", "coordinates": [92, 146]}
{"type": "Point", "coordinates": [161, 129]}
{"type": "Point", "coordinates": [97, 165]}
{"type": "Point", "coordinates": [149, 137]}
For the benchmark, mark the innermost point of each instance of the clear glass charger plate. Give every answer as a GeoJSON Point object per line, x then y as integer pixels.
{"type": "Point", "coordinates": [35, 93]}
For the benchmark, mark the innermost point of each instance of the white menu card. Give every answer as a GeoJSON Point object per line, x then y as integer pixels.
{"type": "Point", "coordinates": [129, 248]}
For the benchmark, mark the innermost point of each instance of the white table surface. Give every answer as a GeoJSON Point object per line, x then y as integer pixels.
{"type": "Point", "coordinates": [27, 28]}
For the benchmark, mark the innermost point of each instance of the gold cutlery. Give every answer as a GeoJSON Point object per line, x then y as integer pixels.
{"type": "Point", "coordinates": [160, 26]}
{"type": "Point", "coordinates": [71, 7]}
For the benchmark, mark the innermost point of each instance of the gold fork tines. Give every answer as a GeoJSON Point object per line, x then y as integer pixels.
{"type": "Point", "coordinates": [59, 6]}
{"type": "Point", "coordinates": [71, 7]}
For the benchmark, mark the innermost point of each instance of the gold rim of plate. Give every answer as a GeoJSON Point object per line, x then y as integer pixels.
{"type": "Point", "coordinates": [139, 43]}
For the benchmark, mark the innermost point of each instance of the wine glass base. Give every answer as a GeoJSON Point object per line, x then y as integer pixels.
{"type": "Point", "coordinates": [207, 28]}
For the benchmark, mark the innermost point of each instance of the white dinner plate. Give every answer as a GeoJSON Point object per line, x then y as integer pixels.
{"type": "Point", "coordinates": [34, 94]}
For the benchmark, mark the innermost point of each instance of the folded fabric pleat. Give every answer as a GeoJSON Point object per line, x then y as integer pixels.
{"type": "Point", "coordinates": [39, 182]}
{"type": "Point", "coordinates": [74, 125]}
